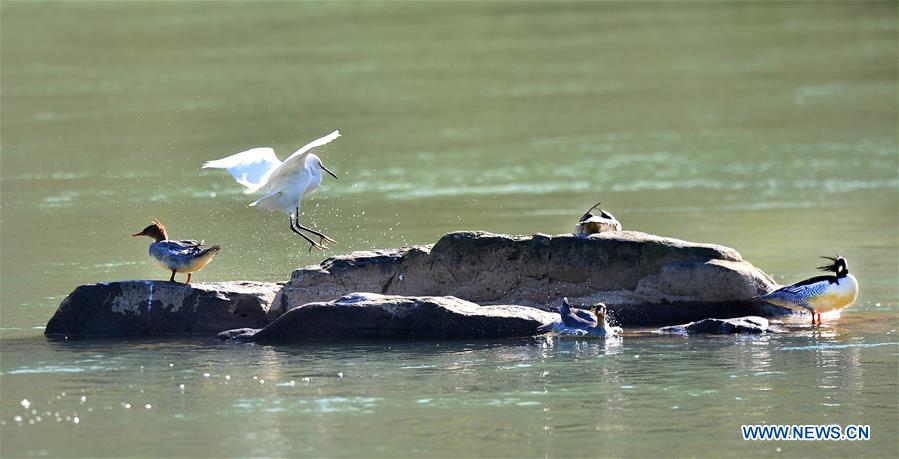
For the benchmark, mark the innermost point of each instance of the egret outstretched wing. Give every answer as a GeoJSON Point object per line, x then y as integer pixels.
{"type": "Point", "coordinates": [251, 168]}
{"type": "Point", "coordinates": [315, 143]}
{"type": "Point", "coordinates": [297, 160]}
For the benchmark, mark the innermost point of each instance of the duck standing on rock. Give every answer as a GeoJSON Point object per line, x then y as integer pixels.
{"type": "Point", "coordinates": [819, 294]}
{"type": "Point", "coordinates": [185, 256]}
{"type": "Point", "coordinates": [591, 223]}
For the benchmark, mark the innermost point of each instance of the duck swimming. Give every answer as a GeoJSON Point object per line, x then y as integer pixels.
{"type": "Point", "coordinates": [591, 223]}
{"type": "Point", "coordinates": [581, 318]}
{"type": "Point", "coordinates": [819, 294]}
{"type": "Point", "coordinates": [185, 256]}
{"type": "Point", "coordinates": [580, 322]}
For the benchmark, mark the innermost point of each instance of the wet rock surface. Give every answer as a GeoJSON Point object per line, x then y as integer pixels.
{"type": "Point", "coordinates": [146, 308]}
{"type": "Point", "coordinates": [749, 324]}
{"type": "Point", "coordinates": [642, 278]}
{"type": "Point", "coordinates": [366, 316]}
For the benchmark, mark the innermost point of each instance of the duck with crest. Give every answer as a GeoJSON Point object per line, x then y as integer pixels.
{"type": "Point", "coordinates": [600, 222]}
{"type": "Point", "coordinates": [186, 256]}
{"type": "Point", "coordinates": [819, 294]}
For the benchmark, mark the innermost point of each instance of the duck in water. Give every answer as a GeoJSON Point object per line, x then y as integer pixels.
{"type": "Point", "coordinates": [591, 223]}
{"type": "Point", "coordinates": [185, 256]}
{"type": "Point", "coordinates": [581, 321]}
{"type": "Point", "coordinates": [819, 294]}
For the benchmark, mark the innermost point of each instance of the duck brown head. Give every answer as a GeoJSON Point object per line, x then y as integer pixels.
{"type": "Point", "coordinates": [599, 310]}
{"type": "Point", "coordinates": [155, 231]}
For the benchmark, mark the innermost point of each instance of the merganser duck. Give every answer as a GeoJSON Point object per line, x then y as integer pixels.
{"type": "Point", "coordinates": [597, 223]}
{"type": "Point", "coordinates": [581, 318]}
{"type": "Point", "coordinates": [285, 183]}
{"type": "Point", "coordinates": [819, 294]}
{"type": "Point", "coordinates": [185, 256]}
{"type": "Point", "coordinates": [581, 322]}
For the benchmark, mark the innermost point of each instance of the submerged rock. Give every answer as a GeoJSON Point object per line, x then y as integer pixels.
{"type": "Point", "coordinates": [363, 316]}
{"type": "Point", "coordinates": [143, 308]}
{"type": "Point", "coordinates": [748, 324]}
{"type": "Point", "coordinates": [642, 278]}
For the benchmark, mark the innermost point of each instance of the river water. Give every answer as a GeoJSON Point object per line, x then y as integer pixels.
{"type": "Point", "coordinates": [770, 128]}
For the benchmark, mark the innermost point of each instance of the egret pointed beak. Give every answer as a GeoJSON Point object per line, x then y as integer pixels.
{"type": "Point", "coordinates": [137, 234]}
{"type": "Point", "coordinates": [329, 171]}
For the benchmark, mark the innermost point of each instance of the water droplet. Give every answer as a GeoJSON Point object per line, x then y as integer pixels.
{"type": "Point", "coordinates": [76, 420]}
{"type": "Point", "coordinates": [17, 419]}
{"type": "Point", "coordinates": [127, 406]}
{"type": "Point", "coordinates": [171, 365]}
{"type": "Point", "coordinates": [306, 379]}
{"type": "Point", "coordinates": [340, 375]}
{"type": "Point", "coordinates": [205, 375]}
{"type": "Point", "coordinates": [148, 406]}
{"type": "Point", "coordinates": [261, 381]}
{"type": "Point", "coordinates": [83, 398]}
{"type": "Point", "coordinates": [181, 386]}
{"type": "Point", "coordinates": [227, 377]}
{"type": "Point", "coordinates": [25, 403]}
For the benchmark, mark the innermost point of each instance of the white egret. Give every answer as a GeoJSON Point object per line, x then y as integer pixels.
{"type": "Point", "coordinates": [284, 183]}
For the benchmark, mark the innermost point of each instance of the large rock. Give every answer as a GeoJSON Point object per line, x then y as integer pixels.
{"type": "Point", "coordinates": [365, 316]}
{"type": "Point", "coordinates": [749, 324]}
{"type": "Point", "coordinates": [643, 279]}
{"type": "Point", "coordinates": [142, 308]}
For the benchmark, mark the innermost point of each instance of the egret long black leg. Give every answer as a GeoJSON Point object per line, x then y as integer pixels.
{"type": "Point", "coordinates": [323, 238]}
{"type": "Point", "coordinates": [314, 244]}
